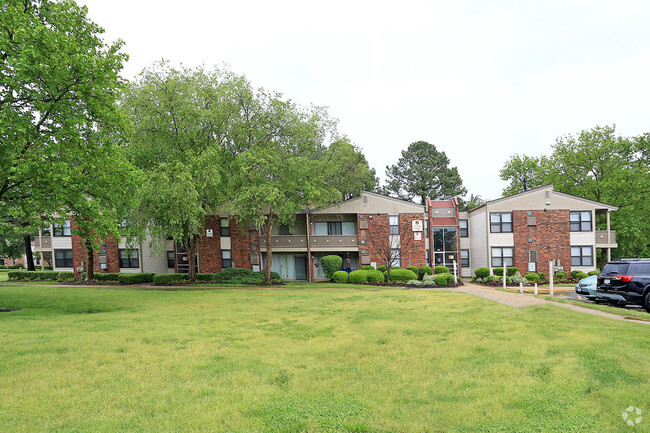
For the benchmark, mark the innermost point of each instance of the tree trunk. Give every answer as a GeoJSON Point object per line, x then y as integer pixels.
{"type": "Point", "coordinates": [90, 256]}
{"type": "Point", "coordinates": [267, 241]}
{"type": "Point", "coordinates": [191, 257]}
{"type": "Point", "coordinates": [28, 253]}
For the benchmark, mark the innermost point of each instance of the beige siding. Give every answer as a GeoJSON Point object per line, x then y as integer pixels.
{"type": "Point", "coordinates": [61, 243]}
{"type": "Point", "coordinates": [582, 238]}
{"type": "Point", "coordinates": [372, 203]}
{"type": "Point", "coordinates": [501, 240]}
{"type": "Point", "coordinates": [478, 255]}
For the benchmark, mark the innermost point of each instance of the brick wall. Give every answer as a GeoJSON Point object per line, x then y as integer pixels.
{"type": "Point", "coordinates": [413, 251]}
{"type": "Point", "coordinates": [210, 248]}
{"type": "Point", "coordinates": [550, 237]}
{"type": "Point", "coordinates": [243, 244]}
{"type": "Point", "coordinates": [110, 245]}
{"type": "Point", "coordinates": [378, 232]}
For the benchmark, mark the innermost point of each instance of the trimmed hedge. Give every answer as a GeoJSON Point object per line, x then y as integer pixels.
{"type": "Point", "coordinates": [560, 275]}
{"type": "Point", "coordinates": [368, 268]}
{"type": "Point", "coordinates": [497, 272]}
{"type": "Point", "coordinates": [382, 268]}
{"type": "Point", "coordinates": [161, 279]}
{"type": "Point", "coordinates": [511, 271]}
{"type": "Point", "coordinates": [542, 276]}
{"type": "Point", "coordinates": [441, 279]}
{"type": "Point", "coordinates": [331, 264]}
{"type": "Point", "coordinates": [590, 273]}
{"type": "Point", "coordinates": [33, 275]}
{"type": "Point", "coordinates": [375, 277]}
{"type": "Point", "coordinates": [414, 269]}
{"type": "Point", "coordinates": [65, 276]}
{"type": "Point", "coordinates": [358, 277]}
{"type": "Point", "coordinates": [139, 278]}
{"type": "Point", "coordinates": [532, 277]}
{"type": "Point", "coordinates": [578, 275]}
{"type": "Point", "coordinates": [106, 277]}
{"type": "Point", "coordinates": [482, 272]}
{"type": "Point", "coordinates": [340, 277]}
{"type": "Point", "coordinates": [402, 275]}
{"type": "Point", "coordinates": [440, 270]}
{"type": "Point", "coordinates": [424, 270]}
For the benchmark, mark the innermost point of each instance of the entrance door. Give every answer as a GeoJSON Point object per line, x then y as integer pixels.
{"type": "Point", "coordinates": [301, 267]}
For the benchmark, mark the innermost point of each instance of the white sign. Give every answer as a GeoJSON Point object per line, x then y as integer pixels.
{"type": "Point", "coordinates": [417, 236]}
{"type": "Point", "coordinates": [417, 225]}
{"type": "Point", "coordinates": [532, 267]}
{"type": "Point", "coordinates": [209, 233]}
{"type": "Point", "coordinates": [256, 268]}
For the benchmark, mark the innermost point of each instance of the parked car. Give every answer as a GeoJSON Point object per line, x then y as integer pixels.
{"type": "Point", "coordinates": [629, 278]}
{"type": "Point", "coordinates": [587, 288]}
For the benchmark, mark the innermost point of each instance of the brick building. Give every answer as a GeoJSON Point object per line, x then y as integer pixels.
{"type": "Point", "coordinates": [526, 230]}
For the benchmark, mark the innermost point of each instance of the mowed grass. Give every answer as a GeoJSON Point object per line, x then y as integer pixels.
{"type": "Point", "coordinates": [88, 359]}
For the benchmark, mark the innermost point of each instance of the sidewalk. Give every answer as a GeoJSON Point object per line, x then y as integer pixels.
{"type": "Point", "coordinates": [518, 300]}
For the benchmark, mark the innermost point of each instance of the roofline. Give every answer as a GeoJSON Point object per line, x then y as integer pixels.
{"type": "Point", "coordinates": [402, 201]}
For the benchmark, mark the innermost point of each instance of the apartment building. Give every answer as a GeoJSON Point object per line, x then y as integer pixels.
{"type": "Point", "coordinates": [526, 230]}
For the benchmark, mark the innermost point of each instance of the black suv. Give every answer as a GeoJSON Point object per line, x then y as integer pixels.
{"type": "Point", "coordinates": [629, 278]}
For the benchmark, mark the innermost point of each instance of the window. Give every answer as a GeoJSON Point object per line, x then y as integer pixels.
{"type": "Point", "coordinates": [170, 259]}
{"type": "Point", "coordinates": [580, 221]}
{"type": "Point", "coordinates": [129, 259]}
{"type": "Point", "coordinates": [428, 258]}
{"type": "Point", "coordinates": [501, 256]}
{"type": "Point", "coordinates": [226, 259]}
{"type": "Point", "coordinates": [445, 239]}
{"type": "Point", "coordinates": [224, 223]}
{"type": "Point", "coordinates": [393, 223]}
{"type": "Point", "coordinates": [46, 230]}
{"type": "Point", "coordinates": [582, 256]}
{"type": "Point", "coordinates": [396, 255]}
{"type": "Point", "coordinates": [334, 228]}
{"type": "Point", "coordinates": [464, 258]}
{"type": "Point", "coordinates": [463, 228]}
{"type": "Point", "coordinates": [532, 256]}
{"type": "Point", "coordinates": [501, 222]}
{"type": "Point", "coordinates": [426, 230]}
{"type": "Point", "coordinates": [63, 258]}
{"type": "Point", "coordinates": [62, 230]}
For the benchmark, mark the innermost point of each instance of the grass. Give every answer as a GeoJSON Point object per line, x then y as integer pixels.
{"type": "Point", "coordinates": [90, 359]}
{"type": "Point", "coordinates": [4, 274]}
{"type": "Point", "coordinates": [639, 314]}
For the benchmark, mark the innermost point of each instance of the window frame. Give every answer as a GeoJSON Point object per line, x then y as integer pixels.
{"type": "Point", "coordinates": [582, 256]}
{"type": "Point", "coordinates": [126, 258]}
{"type": "Point", "coordinates": [500, 223]}
{"type": "Point", "coordinates": [224, 229]}
{"type": "Point", "coordinates": [57, 260]}
{"type": "Point", "coordinates": [463, 232]}
{"type": "Point", "coordinates": [62, 230]}
{"type": "Point", "coordinates": [502, 257]}
{"type": "Point", "coordinates": [171, 260]}
{"type": "Point", "coordinates": [393, 229]}
{"type": "Point", "coordinates": [226, 262]}
{"type": "Point", "coordinates": [580, 222]}
{"type": "Point", "coordinates": [464, 261]}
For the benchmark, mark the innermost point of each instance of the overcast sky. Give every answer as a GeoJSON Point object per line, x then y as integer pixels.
{"type": "Point", "coordinates": [481, 80]}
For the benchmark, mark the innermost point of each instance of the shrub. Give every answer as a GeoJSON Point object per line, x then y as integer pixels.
{"type": "Point", "coordinates": [497, 271]}
{"type": "Point", "coordinates": [459, 280]}
{"type": "Point", "coordinates": [162, 279]}
{"type": "Point", "coordinates": [382, 268]}
{"type": "Point", "coordinates": [542, 276]}
{"type": "Point", "coordinates": [358, 277]}
{"type": "Point", "coordinates": [413, 269]}
{"type": "Point", "coordinates": [204, 278]}
{"type": "Point", "coordinates": [395, 267]}
{"type": "Point", "coordinates": [330, 265]}
{"type": "Point", "coordinates": [241, 276]}
{"type": "Point", "coordinates": [451, 280]}
{"type": "Point", "coordinates": [590, 273]}
{"type": "Point", "coordinates": [145, 277]}
{"type": "Point", "coordinates": [518, 279]}
{"type": "Point", "coordinates": [429, 280]}
{"type": "Point", "coordinates": [414, 283]}
{"type": "Point", "coordinates": [368, 268]}
{"type": "Point", "coordinates": [441, 269]}
{"type": "Point", "coordinates": [64, 276]}
{"type": "Point", "coordinates": [424, 270]}
{"type": "Point", "coordinates": [402, 275]}
{"type": "Point", "coordinates": [15, 275]}
{"type": "Point", "coordinates": [482, 272]}
{"type": "Point", "coordinates": [490, 278]}
{"type": "Point", "coordinates": [106, 277]}
{"type": "Point", "coordinates": [340, 277]}
{"type": "Point", "coordinates": [375, 277]}
{"type": "Point", "coordinates": [440, 279]}
{"type": "Point", "coordinates": [511, 271]}
{"type": "Point", "coordinates": [578, 275]}
{"type": "Point", "coordinates": [560, 275]}
{"type": "Point", "coordinates": [533, 277]}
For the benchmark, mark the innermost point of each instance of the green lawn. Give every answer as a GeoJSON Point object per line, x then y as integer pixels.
{"type": "Point", "coordinates": [87, 359]}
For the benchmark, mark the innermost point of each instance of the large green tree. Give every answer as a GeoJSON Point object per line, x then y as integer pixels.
{"type": "Point", "coordinates": [182, 123]}
{"type": "Point", "coordinates": [423, 171]}
{"type": "Point", "coordinates": [349, 170]}
{"type": "Point", "coordinates": [599, 165]}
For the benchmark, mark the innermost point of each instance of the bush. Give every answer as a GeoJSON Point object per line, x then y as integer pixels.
{"type": "Point", "coordinates": [424, 270]}
{"type": "Point", "coordinates": [428, 280]}
{"type": "Point", "coordinates": [578, 275]}
{"type": "Point", "coordinates": [560, 275]}
{"type": "Point", "coordinates": [145, 277]}
{"type": "Point", "coordinates": [204, 278]}
{"type": "Point", "coordinates": [382, 268]}
{"type": "Point", "coordinates": [106, 277]}
{"type": "Point", "coordinates": [511, 271]}
{"type": "Point", "coordinates": [413, 269]}
{"type": "Point", "coordinates": [402, 275]}
{"type": "Point", "coordinates": [451, 280]}
{"type": "Point", "coordinates": [482, 272]}
{"type": "Point", "coordinates": [33, 275]}
{"type": "Point", "coordinates": [414, 283]}
{"type": "Point", "coordinates": [241, 276]}
{"type": "Point", "coordinates": [375, 277]}
{"type": "Point", "coordinates": [330, 265]}
{"type": "Point", "coordinates": [497, 272]}
{"type": "Point", "coordinates": [368, 268]}
{"type": "Point", "coordinates": [518, 279]}
{"type": "Point", "coordinates": [15, 275]}
{"type": "Point", "coordinates": [542, 276]}
{"type": "Point", "coordinates": [162, 279]}
{"type": "Point", "coordinates": [533, 277]}
{"type": "Point", "coordinates": [440, 279]}
{"type": "Point", "coordinates": [441, 270]}
{"type": "Point", "coordinates": [340, 277]}
{"type": "Point", "coordinates": [63, 276]}
{"type": "Point", "coordinates": [358, 277]}
{"type": "Point", "coordinates": [590, 273]}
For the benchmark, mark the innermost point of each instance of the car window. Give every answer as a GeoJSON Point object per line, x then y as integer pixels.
{"type": "Point", "coordinates": [615, 269]}
{"type": "Point", "coordinates": [640, 268]}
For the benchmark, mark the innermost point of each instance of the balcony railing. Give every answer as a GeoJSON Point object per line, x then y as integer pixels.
{"type": "Point", "coordinates": [42, 242]}
{"type": "Point", "coordinates": [601, 237]}
{"type": "Point", "coordinates": [333, 242]}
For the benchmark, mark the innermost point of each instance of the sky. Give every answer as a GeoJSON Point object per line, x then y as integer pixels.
{"type": "Point", "coordinates": [481, 80]}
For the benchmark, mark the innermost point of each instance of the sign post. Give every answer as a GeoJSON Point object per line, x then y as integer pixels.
{"type": "Point", "coordinates": [550, 277]}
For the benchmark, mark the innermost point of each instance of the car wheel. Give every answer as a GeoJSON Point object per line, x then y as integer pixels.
{"type": "Point", "coordinates": [646, 301]}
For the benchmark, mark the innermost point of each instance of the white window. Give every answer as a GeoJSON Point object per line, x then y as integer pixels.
{"type": "Point", "coordinates": [393, 222]}
{"type": "Point", "coordinates": [501, 256]}
{"type": "Point", "coordinates": [582, 256]}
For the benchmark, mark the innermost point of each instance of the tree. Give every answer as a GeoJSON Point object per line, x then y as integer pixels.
{"type": "Point", "coordinates": [422, 171]}
{"type": "Point", "coordinates": [599, 165]}
{"type": "Point", "coordinates": [58, 85]}
{"type": "Point", "coordinates": [182, 123]}
{"type": "Point", "coordinates": [350, 173]}
{"type": "Point", "coordinates": [388, 247]}
{"type": "Point", "coordinates": [472, 202]}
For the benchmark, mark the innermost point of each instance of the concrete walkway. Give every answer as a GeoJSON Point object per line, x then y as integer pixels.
{"type": "Point", "coordinates": [518, 300]}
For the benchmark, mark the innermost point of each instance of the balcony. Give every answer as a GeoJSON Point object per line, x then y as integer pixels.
{"type": "Point", "coordinates": [334, 243]}
{"type": "Point", "coordinates": [42, 243]}
{"type": "Point", "coordinates": [601, 238]}
{"type": "Point", "coordinates": [287, 242]}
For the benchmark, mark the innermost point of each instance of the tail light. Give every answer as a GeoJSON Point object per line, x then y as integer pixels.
{"type": "Point", "coordinates": [624, 278]}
